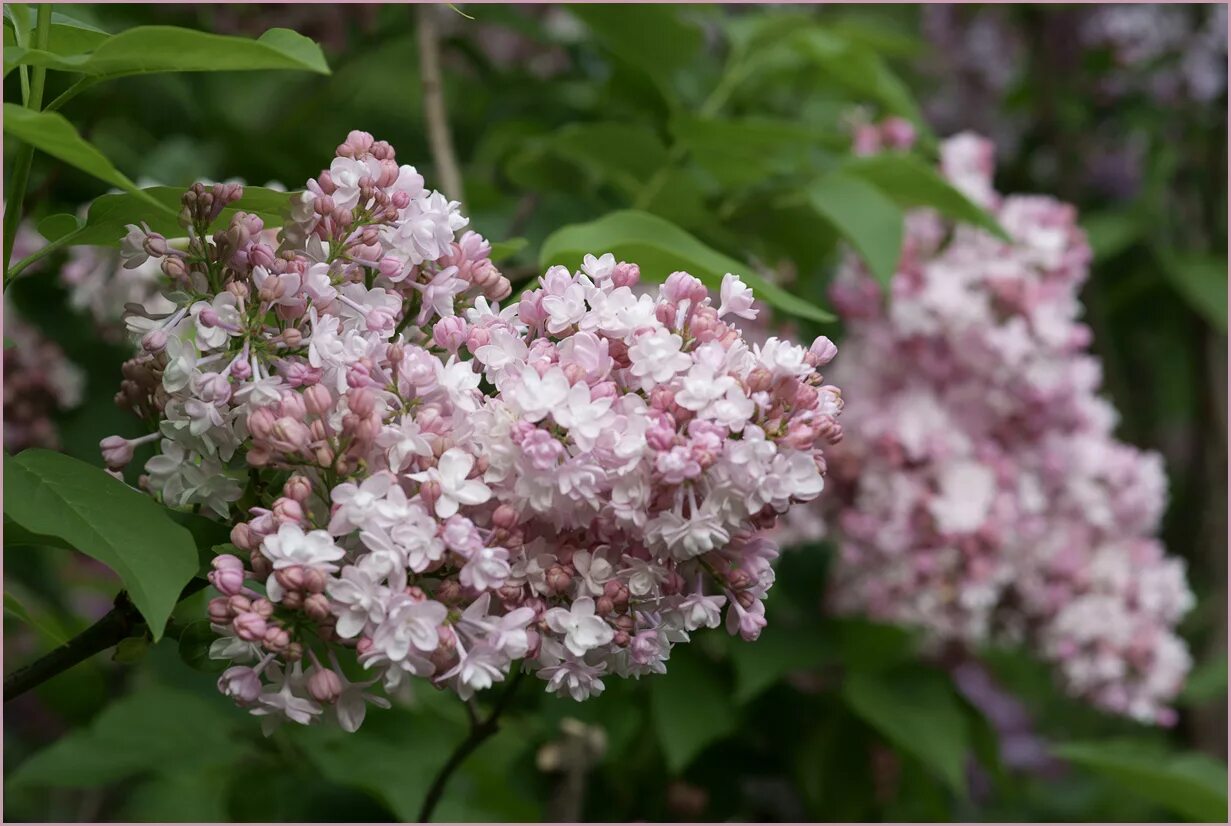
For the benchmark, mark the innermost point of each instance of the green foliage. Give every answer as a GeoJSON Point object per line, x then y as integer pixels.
{"type": "Point", "coordinates": [52, 133]}
{"type": "Point", "coordinates": [652, 39]}
{"type": "Point", "coordinates": [915, 709]}
{"type": "Point", "coordinates": [778, 652]}
{"type": "Point", "coordinates": [912, 183]}
{"type": "Point", "coordinates": [68, 35]}
{"type": "Point", "coordinates": [1202, 281]}
{"type": "Point", "coordinates": [155, 730]}
{"type": "Point", "coordinates": [194, 642]}
{"type": "Point", "coordinates": [147, 49]}
{"type": "Point", "coordinates": [1191, 785]}
{"type": "Point", "coordinates": [690, 709]}
{"type": "Point", "coordinates": [661, 248]}
{"type": "Point", "coordinates": [56, 497]}
{"type": "Point", "coordinates": [865, 216]}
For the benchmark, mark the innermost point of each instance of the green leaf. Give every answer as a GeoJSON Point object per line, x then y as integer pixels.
{"type": "Point", "coordinates": [396, 769]}
{"type": "Point", "coordinates": [507, 249]}
{"type": "Point", "coordinates": [660, 248]}
{"type": "Point", "coordinates": [1207, 682]}
{"type": "Point", "coordinates": [110, 214]}
{"type": "Point", "coordinates": [749, 150]}
{"type": "Point", "coordinates": [912, 183]}
{"type": "Point", "coordinates": [916, 710]}
{"type": "Point", "coordinates": [51, 133]}
{"type": "Point", "coordinates": [1192, 785]}
{"type": "Point", "coordinates": [777, 652]}
{"type": "Point", "coordinates": [67, 35]}
{"type": "Point", "coordinates": [178, 796]}
{"type": "Point", "coordinates": [152, 730]}
{"type": "Point", "coordinates": [1110, 232]}
{"type": "Point", "coordinates": [14, 608]}
{"type": "Point", "coordinates": [873, 646]}
{"type": "Point", "coordinates": [624, 153]}
{"type": "Point", "coordinates": [651, 38]}
{"type": "Point", "coordinates": [149, 49]}
{"type": "Point", "coordinates": [690, 709]}
{"type": "Point", "coordinates": [131, 651]}
{"type": "Point", "coordinates": [862, 71]}
{"type": "Point", "coordinates": [1202, 281]}
{"type": "Point", "coordinates": [50, 494]}
{"type": "Point", "coordinates": [194, 643]}
{"type": "Point", "coordinates": [865, 216]}
{"type": "Point", "coordinates": [55, 227]}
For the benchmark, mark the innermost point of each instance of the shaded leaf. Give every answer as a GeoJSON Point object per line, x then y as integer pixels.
{"type": "Point", "coordinates": [1192, 785]}
{"type": "Point", "coordinates": [916, 710]}
{"type": "Point", "coordinates": [152, 730]}
{"type": "Point", "coordinates": [1207, 682]}
{"type": "Point", "coordinates": [1202, 281]}
{"type": "Point", "coordinates": [690, 709]}
{"type": "Point", "coordinates": [194, 642]}
{"type": "Point", "coordinates": [748, 150]}
{"type": "Point", "coordinates": [1110, 232]}
{"type": "Point", "coordinates": [778, 652]}
{"type": "Point", "coordinates": [862, 71]}
{"type": "Point", "coordinates": [653, 39]}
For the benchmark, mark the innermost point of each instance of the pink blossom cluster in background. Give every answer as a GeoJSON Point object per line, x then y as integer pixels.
{"type": "Point", "coordinates": [447, 489]}
{"type": "Point", "coordinates": [39, 382]}
{"type": "Point", "coordinates": [980, 492]}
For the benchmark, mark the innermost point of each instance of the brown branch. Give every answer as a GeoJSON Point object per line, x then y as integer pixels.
{"type": "Point", "coordinates": [480, 730]}
{"type": "Point", "coordinates": [118, 624]}
{"type": "Point", "coordinates": [440, 140]}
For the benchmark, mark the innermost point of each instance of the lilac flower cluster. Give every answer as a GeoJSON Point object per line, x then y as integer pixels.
{"type": "Point", "coordinates": [982, 493]}
{"type": "Point", "coordinates": [39, 382]}
{"type": "Point", "coordinates": [437, 487]}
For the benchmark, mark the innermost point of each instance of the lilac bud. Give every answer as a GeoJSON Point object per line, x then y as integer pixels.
{"type": "Point", "coordinates": [316, 607]}
{"type": "Point", "coordinates": [117, 452]}
{"type": "Point", "coordinates": [822, 350]}
{"type": "Point", "coordinates": [219, 611]}
{"type": "Point", "coordinates": [250, 626]}
{"type": "Point", "coordinates": [228, 581]}
{"type": "Point", "coordinates": [241, 683]}
{"type": "Point", "coordinates": [325, 686]}
{"type": "Point", "coordinates": [154, 341]}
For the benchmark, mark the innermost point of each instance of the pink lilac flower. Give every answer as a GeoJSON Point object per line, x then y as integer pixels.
{"type": "Point", "coordinates": [444, 489]}
{"type": "Point", "coordinates": [982, 494]}
{"type": "Point", "coordinates": [39, 383]}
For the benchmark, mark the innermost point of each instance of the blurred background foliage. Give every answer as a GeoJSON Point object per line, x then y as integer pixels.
{"type": "Point", "coordinates": [723, 121]}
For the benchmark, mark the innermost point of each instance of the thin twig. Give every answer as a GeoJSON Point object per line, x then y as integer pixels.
{"type": "Point", "coordinates": [480, 730]}
{"type": "Point", "coordinates": [440, 140]}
